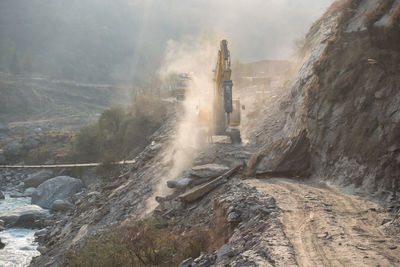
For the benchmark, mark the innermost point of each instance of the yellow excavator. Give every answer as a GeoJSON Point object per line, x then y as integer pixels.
{"type": "Point", "coordinates": [226, 110]}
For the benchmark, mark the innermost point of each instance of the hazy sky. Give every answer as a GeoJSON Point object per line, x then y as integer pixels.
{"type": "Point", "coordinates": [256, 29]}
{"type": "Point", "coordinates": [102, 40]}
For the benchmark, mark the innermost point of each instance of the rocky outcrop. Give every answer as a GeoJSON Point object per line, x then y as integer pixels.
{"type": "Point", "coordinates": [346, 97]}
{"type": "Point", "coordinates": [287, 156]}
{"type": "Point", "coordinates": [254, 232]}
{"type": "Point", "coordinates": [61, 187]}
{"type": "Point", "coordinates": [38, 178]}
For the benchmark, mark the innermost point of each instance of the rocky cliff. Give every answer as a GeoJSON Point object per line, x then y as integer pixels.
{"type": "Point", "coordinates": [346, 97]}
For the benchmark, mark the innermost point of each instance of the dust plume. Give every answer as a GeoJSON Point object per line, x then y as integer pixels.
{"type": "Point", "coordinates": [196, 57]}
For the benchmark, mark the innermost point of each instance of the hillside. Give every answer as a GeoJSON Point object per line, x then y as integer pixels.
{"type": "Point", "coordinates": [314, 183]}
{"type": "Point", "coordinates": [40, 98]}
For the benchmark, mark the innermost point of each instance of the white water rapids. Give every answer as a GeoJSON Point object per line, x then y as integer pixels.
{"type": "Point", "coordinates": [20, 246]}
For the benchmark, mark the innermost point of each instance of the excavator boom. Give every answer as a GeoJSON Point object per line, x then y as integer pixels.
{"type": "Point", "coordinates": [223, 102]}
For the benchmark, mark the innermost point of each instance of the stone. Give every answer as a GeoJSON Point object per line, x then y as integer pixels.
{"type": "Point", "coordinates": [61, 187]}
{"type": "Point", "coordinates": [31, 220]}
{"type": "Point", "coordinates": [2, 195]}
{"type": "Point", "coordinates": [62, 205]}
{"type": "Point", "coordinates": [2, 245]}
{"type": "Point", "coordinates": [208, 171]}
{"type": "Point", "coordinates": [287, 156]}
{"type": "Point", "coordinates": [179, 183]}
{"type": "Point", "coordinates": [37, 178]}
{"type": "Point", "coordinates": [31, 216]}
{"type": "Point", "coordinates": [29, 191]}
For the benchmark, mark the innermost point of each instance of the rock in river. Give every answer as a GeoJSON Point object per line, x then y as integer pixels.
{"type": "Point", "coordinates": [61, 187]}
{"type": "Point", "coordinates": [30, 216]}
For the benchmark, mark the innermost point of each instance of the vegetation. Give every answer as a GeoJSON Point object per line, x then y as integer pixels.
{"type": "Point", "coordinates": [143, 243]}
{"type": "Point", "coordinates": [120, 130]}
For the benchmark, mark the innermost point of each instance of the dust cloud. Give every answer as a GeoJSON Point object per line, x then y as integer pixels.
{"type": "Point", "coordinates": [197, 58]}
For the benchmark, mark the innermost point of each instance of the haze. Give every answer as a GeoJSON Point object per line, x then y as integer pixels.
{"type": "Point", "coordinates": [123, 41]}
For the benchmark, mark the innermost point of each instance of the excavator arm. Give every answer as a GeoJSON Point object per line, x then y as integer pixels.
{"type": "Point", "coordinates": [223, 89]}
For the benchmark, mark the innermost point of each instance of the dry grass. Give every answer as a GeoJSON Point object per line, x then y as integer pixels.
{"type": "Point", "coordinates": [143, 243]}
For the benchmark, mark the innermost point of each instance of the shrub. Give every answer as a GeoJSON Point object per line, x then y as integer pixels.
{"type": "Point", "coordinates": [87, 143]}
{"type": "Point", "coordinates": [143, 243]}
{"type": "Point", "coordinates": [120, 131]}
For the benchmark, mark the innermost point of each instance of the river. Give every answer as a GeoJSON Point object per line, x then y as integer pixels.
{"type": "Point", "coordinates": [20, 246]}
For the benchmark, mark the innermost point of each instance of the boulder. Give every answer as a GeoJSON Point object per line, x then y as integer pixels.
{"type": "Point", "coordinates": [30, 216]}
{"type": "Point", "coordinates": [2, 245]}
{"type": "Point", "coordinates": [29, 191]}
{"type": "Point", "coordinates": [288, 157]}
{"type": "Point", "coordinates": [12, 149]}
{"type": "Point", "coordinates": [62, 205]}
{"type": "Point", "coordinates": [179, 183]}
{"type": "Point", "coordinates": [61, 187]}
{"type": "Point", "coordinates": [208, 171]}
{"type": "Point", "coordinates": [32, 219]}
{"type": "Point", "coordinates": [2, 195]}
{"type": "Point", "coordinates": [37, 178]}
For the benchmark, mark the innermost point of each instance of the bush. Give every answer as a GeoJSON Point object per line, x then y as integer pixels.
{"type": "Point", "coordinates": [87, 143]}
{"type": "Point", "coordinates": [119, 131]}
{"type": "Point", "coordinates": [143, 243]}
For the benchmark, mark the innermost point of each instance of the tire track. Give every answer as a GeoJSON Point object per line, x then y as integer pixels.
{"type": "Point", "coordinates": [330, 228]}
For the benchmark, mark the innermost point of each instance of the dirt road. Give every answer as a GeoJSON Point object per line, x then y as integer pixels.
{"type": "Point", "coordinates": [330, 228]}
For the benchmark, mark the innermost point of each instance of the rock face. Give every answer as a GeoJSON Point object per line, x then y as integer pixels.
{"type": "Point", "coordinates": [287, 156]}
{"type": "Point", "coordinates": [61, 187]}
{"type": "Point", "coordinates": [346, 96]}
{"type": "Point", "coordinates": [37, 178]}
{"type": "Point", "coordinates": [208, 171]}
